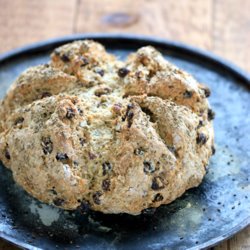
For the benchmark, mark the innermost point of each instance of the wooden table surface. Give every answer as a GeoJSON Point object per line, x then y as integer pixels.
{"type": "Point", "coordinates": [220, 26]}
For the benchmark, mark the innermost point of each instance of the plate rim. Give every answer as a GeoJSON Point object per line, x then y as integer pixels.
{"type": "Point", "coordinates": [178, 46]}
{"type": "Point", "coordinates": [201, 53]}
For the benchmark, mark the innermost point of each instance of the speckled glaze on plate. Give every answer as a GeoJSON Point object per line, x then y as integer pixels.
{"type": "Point", "coordinates": [202, 217]}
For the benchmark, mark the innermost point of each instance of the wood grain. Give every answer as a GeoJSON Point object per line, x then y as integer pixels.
{"type": "Point", "coordinates": [241, 241]}
{"type": "Point", "coordinates": [221, 26]}
{"type": "Point", "coordinates": [7, 246]}
{"type": "Point", "coordinates": [231, 31]}
{"type": "Point", "coordinates": [186, 21]}
{"type": "Point", "coordinates": [24, 22]}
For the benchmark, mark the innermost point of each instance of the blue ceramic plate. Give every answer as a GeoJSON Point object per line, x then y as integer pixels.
{"type": "Point", "coordinates": [201, 218]}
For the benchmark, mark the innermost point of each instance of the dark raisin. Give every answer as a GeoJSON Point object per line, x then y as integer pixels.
{"type": "Point", "coordinates": [158, 197]}
{"type": "Point", "coordinates": [19, 120]}
{"type": "Point", "coordinates": [44, 115]}
{"type": "Point", "coordinates": [53, 191]}
{"type": "Point", "coordinates": [45, 94]}
{"type": "Point", "coordinates": [129, 115]}
{"type": "Point", "coordinates": [122, 72]}
{"type": "Point", "coordinates": [106, 168]}
{"type": "Point", "coordinates": [129, 107]}
{"type": "Point", "coordinates": [187, 94]}
{"type": "Point", "coordinates": [106, 185]}
{"type": "Point", "coordinates": [47, 145]}
{"type": "Point", "coordinates": [210, 114]}
{"type": "Point", "coordinates": [96, 197]}
{"type": "Point", "coordinates": [7, 154]}
{"type": "Point", "coordinates": [201, 124]}
{"type": "Point", "coordinates": [92, 156]}
{"type": "Point", "coordinates": [148, 167]}
{"type": "Point", "coordinates": [139, 151]}
{"type": "Point", "coordinates": [65, 58]}
{"type": "Point", "coordinates": [84, 206]}
{"type": "Point", "coordinates": [58, 201]}
{"type": "Point", "coordinates": [70, 113]}
{"type": "Point", "coordinates": [213, 150]}
{"type": "Point", "coordinates": [157, 183]}
{"type": "Point", "coordinates": [100, 72]}
{"type": "Point", "coordinates": [149, 211]}
{"type": "Point", "coordinates": [82, 141]}
{"type": "Point", "coordinates": [61, 156]}
{"type": "Point", "coordinates": [76, 163]}
{"type": "Point", "coordinates": [207, 91]}
{"type": "Point", "coordinates": [201, 139]}
{"type": "Point", "coordinates": [130, 118]}
{"type": "Point", "coordinates": [84, 61]}
{"type": "Point", "coordinates": [80, 111]}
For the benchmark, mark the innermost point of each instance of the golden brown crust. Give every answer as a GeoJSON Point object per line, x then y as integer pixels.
{"type": "Point", "coordinates": [117, 136]}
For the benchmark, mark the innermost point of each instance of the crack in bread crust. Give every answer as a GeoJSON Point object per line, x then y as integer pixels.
{"type": "Point", "coordinates": [121, 137]}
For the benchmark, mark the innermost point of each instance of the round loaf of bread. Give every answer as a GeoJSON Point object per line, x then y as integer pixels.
{"type": "Point", "coordinates": [87, 130]}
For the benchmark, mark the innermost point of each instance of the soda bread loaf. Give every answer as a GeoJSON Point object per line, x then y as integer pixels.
{"type": "Point", "coordinates": [87, 130]}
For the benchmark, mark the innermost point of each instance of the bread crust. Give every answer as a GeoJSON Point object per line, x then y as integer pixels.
{"type": "Point", "coordinates": [119, 137]}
